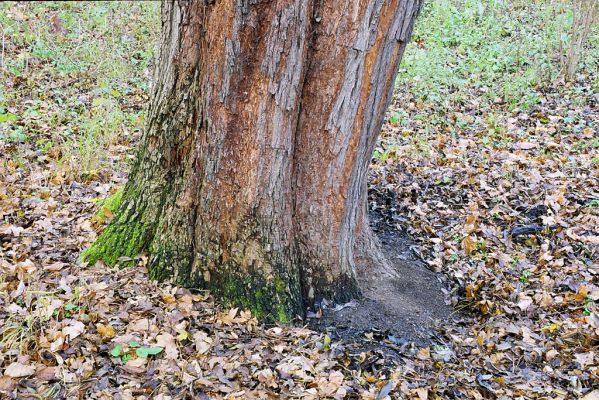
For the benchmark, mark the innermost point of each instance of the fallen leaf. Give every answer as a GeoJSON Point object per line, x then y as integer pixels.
{"type": "Point", "coordinates": [468, 244]}
{"type": "Point", "coordinates": [524, 301]}
{"type": "Point", "coordinates": [202, 342]}
{"type": "Point", "coordinates": [524, 146]}
{"type": "Point", "coordinates": [18, 370]}
{"type": "Point", "coordinates": [594, 395]}
{"type": "Point", "coordinates": [46, 374]}
{"type": "Point", "coordinates": [7, 384]}
{"type": "Point", "coordinates": [167, 341]}
{"type": "Point", "coordinates": [75, 329]}
{"type": "Point", "coordinates": [145, 352]}
{"type": "Point", "coordinates": [106, 331]}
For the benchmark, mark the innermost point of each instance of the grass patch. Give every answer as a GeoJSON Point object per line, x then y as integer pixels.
{"type": "Point", "coordinates": [497, 49]}
{"type": "Point", "coordinates": [75, 78]}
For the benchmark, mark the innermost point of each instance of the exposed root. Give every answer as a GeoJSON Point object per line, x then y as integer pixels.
{"type": "Point", "coordinates": [370, 260]}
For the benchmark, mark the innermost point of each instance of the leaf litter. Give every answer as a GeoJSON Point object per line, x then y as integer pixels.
{"type": "Point", "coordinates": [506, 207]}
{"type": "Point", "coordinates": [505, 203]}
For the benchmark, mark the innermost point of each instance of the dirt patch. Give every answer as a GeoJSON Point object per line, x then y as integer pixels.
{"type": "Point", "coordinates": [394, 312]}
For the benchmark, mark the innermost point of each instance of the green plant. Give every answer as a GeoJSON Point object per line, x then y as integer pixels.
{"type": "Point", "coordinates": [524, 276]}
{"type": "Point", "coordinates": [588, 302]}
{"type": "Point", "coordinates": [81, 79]}
{"type": "Point", "coordinates": [134, 347]}
{"type": "Point", "coordinates": [503, 51]}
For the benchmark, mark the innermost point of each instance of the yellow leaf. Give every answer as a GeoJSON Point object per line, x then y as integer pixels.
{"type": "Point", "coordinates": [106, 331]}
{"type": "Point", "coordinates": [471, 223]}
{"type": "Point", "coordinates": [471, 291]}
{"type": "Point", "coordinates": [588, 132]}
{"type": "Point", "coordinates": [468, 244]}
{"type": "Point", "coordinates": [485, 306]}
{"type": "Point", "coordinates": [480, 340]}
{"type": "Point", "coordinates": [550, 328]}
{"type": "Point", "coordinates": [424, 354]}
{"type": "Point", "coordinates": [107, 212]}
{"type": "Point", "coordinates": [183, 335]}
{"type": "Point", "coordinates": [168, 298]}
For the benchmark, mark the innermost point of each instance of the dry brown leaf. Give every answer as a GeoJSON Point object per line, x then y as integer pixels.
{"type": "Point", "coordinates": [46, 374]}
{"type": "Point", "coordinates": [594, 395]}
{"type": "Point", "coordinates": [74, 329]}
{"type": "Point", "coordinates": [7, 384]}
{"type": "Point", "coordinates": [202, 342]}
{"type": "Point", "coordinates": [18, 370]}
{"type": "Point", "coordinates": [167, 341]}
{"type": "Point", "coordinates": [424, 354]}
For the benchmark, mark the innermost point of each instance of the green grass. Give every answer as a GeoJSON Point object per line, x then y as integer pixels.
{"type": "Point", "coordinates": [75, 78]}
{"type": "Point", "coordinates": [494, 48]}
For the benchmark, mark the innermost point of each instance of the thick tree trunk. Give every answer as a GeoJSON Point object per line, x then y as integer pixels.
{"type": "Point", "coordinates": [251, 176]}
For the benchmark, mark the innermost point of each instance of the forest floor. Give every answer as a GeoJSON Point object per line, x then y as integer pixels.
{"type": "Point", "coordinates": [487, 172]}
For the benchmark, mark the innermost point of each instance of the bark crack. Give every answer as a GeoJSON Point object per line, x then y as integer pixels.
{"type": "Point", "coordinates": [306, 286]}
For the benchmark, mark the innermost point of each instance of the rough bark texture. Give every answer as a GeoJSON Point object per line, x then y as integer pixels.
{"type": "Point", "coordinates": [251, 175]}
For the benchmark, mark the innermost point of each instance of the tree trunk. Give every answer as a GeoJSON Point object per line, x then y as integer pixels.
{"type": "Point", "coordinates": [250, 179]}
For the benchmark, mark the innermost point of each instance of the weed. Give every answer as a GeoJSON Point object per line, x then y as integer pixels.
{"type": "Point", "coordinates": [587, 307]}
{"type": "Point", "coordinates": [524, 276]}
{"type": "Point", "coordinates": [499, 49]}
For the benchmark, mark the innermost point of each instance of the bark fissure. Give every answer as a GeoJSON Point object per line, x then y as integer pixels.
{"type": "Point", "coordinates": [250, 178]}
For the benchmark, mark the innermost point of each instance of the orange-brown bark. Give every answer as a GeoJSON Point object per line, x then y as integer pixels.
{"type": "Point", "coordinates": [250, 179]}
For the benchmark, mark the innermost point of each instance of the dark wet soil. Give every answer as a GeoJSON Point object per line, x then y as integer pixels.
{"type": "Point", "coordinates": [395, 312]}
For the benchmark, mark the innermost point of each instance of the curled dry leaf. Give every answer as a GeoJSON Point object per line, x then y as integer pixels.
{"type": "Point", "coordinates": [167, 341]}
{"type": "Point", "coordinates": [202, 342]}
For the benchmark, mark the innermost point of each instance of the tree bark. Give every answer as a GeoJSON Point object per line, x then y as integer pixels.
{"type": "Point", "coordinates": [250, 179]}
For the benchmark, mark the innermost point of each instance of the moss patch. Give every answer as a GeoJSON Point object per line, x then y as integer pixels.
{"type": "Point", "coordinates": [117, 244]}
{"type": "Point", "coordinates": [269, 301]}
{"type": "Point", "coordinates": [121, 240]}
{"type": "Point", "coordinates": [108, 207]}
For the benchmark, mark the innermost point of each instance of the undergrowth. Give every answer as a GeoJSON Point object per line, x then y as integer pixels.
{"type": "Point", "coordinates": [75, 77]}
{"type": "Point", "coordinates": [499, 50]}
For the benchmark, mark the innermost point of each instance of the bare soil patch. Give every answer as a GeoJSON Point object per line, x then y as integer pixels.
{"type": "Point", "coordinates": [394, 311]}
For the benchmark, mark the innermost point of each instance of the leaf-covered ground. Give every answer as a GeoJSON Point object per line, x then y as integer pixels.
{"type": "Point", "coordinates": [499, 184]}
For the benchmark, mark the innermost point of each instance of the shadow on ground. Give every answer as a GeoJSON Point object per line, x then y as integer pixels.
{"type": "Point", "coordinates": [395, 313]}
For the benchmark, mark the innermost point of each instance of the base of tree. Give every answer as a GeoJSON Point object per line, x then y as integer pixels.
{"type": "Point", "coordinates": [275, 297]}
{"type": "Point", "coordinates": [278, 297]}
{"type": "Point", "coordinates": [272, 300]}
{"type": "Point", "coordinates": [250, 180]}
{"type": "Point", "coordinates": [121, 241]}
{"type": "Point", "coordinates": [406, 301]}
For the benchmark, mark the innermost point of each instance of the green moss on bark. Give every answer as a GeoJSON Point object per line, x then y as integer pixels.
{"type": "Point", "coordinates": [117, 244]}
{"type": "Point", "coordinates": [121, 240]}
{"type": "Point", "coordinates": [107, 207]}
{"type": "Point", "coordinates": [268, 300]}
{"type": "Point", "coordinates": [266, 283]}
{"type": "Point", "coordinates": [112, 202]}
